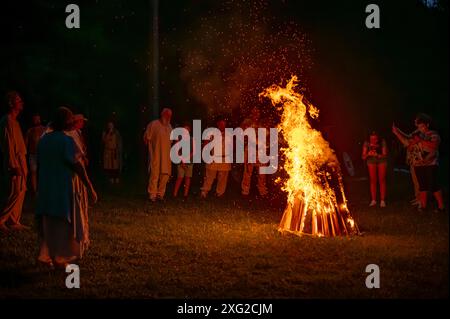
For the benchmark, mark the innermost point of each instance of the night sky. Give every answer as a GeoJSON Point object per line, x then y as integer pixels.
{"type": "Point", "coordinates": [216, 56]}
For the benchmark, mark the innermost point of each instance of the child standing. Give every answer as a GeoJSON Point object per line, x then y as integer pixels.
{"type": "Point", "coordinates": [185, 167]}
{"type": "Point", "coordinates": [375, 154]}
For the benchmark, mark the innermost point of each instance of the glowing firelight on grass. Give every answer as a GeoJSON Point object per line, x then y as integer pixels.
{"type": "Point", "coordinates": [316, 203]}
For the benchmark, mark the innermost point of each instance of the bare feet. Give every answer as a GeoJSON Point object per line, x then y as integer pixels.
{"type": "Point", "coordinates": [63, 262]}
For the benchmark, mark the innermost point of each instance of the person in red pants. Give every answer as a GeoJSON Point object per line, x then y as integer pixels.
{"type": "Point", "coordinates": [375, 154]}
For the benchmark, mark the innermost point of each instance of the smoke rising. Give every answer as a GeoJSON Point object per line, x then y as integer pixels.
{"type": "Point", "coordinates": [238, 49]}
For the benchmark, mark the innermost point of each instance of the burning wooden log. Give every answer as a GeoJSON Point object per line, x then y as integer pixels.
{"type": "Point", "coordinates": [316, 199]}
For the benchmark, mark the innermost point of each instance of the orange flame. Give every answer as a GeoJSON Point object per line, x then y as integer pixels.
{"type": "Point", "coordinates": [316, 203]}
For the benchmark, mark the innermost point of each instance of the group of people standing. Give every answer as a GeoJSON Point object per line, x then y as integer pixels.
{"type": "Point", "coordinates": [157, 139]}
{"type": "Point", "coordinates": [54, 159]}
{"type": "Point", "coordinates": [422, 157]}
{"type": "Point", "coordinates": [55, 156]}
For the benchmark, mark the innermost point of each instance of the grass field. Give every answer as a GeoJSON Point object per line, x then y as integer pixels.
{"type": "Point", "coordinates": [231, 249]}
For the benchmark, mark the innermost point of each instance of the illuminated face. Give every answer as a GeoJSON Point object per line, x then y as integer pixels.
{"type": "Point", "coordinates": [110, 126]}
{"type": "Point", "coordinates": [17, 104]}
{"type": "Point", "coordinates": [373, 139]}
{"type": "Point", "coordinates": [36, 120]}
{"type": "Point", "coordinates": [79, 124]}
{"type": "Point", "coordinates": [422, 127]}
{"type": "Point", "coordinates": [166, 116]}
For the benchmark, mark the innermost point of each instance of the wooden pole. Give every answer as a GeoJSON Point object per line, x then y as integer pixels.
{"type": "Point", "coordinates": [155, 59]}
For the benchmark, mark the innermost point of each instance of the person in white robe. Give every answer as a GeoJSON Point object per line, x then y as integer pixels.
{"type": "Point", "coordinates": [157, 140]}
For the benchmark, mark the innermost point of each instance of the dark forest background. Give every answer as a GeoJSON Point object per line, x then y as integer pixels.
{"type": "Point", "coordinates": [360, 79]}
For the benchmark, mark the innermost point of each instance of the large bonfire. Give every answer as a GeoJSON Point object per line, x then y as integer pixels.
{"type": "Point", "coordinates": [316, 203]}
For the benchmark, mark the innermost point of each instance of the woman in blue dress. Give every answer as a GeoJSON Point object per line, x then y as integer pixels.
{"type": "Point", "coordinates": [58, 163]}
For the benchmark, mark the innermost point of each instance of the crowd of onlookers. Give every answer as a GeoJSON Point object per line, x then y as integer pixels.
{"type": "Point", "coordinates": [55, 159]}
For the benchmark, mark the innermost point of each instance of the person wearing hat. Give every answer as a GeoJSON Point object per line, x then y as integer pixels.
{"type": "Point", "coordinates": [157, 140]}
{"type": "Point", "coordinates": [15, 170]}
{"type": "Point", "coordinates": [63, 186]}
{"type": "Point", "coordinates": [77, 134]}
